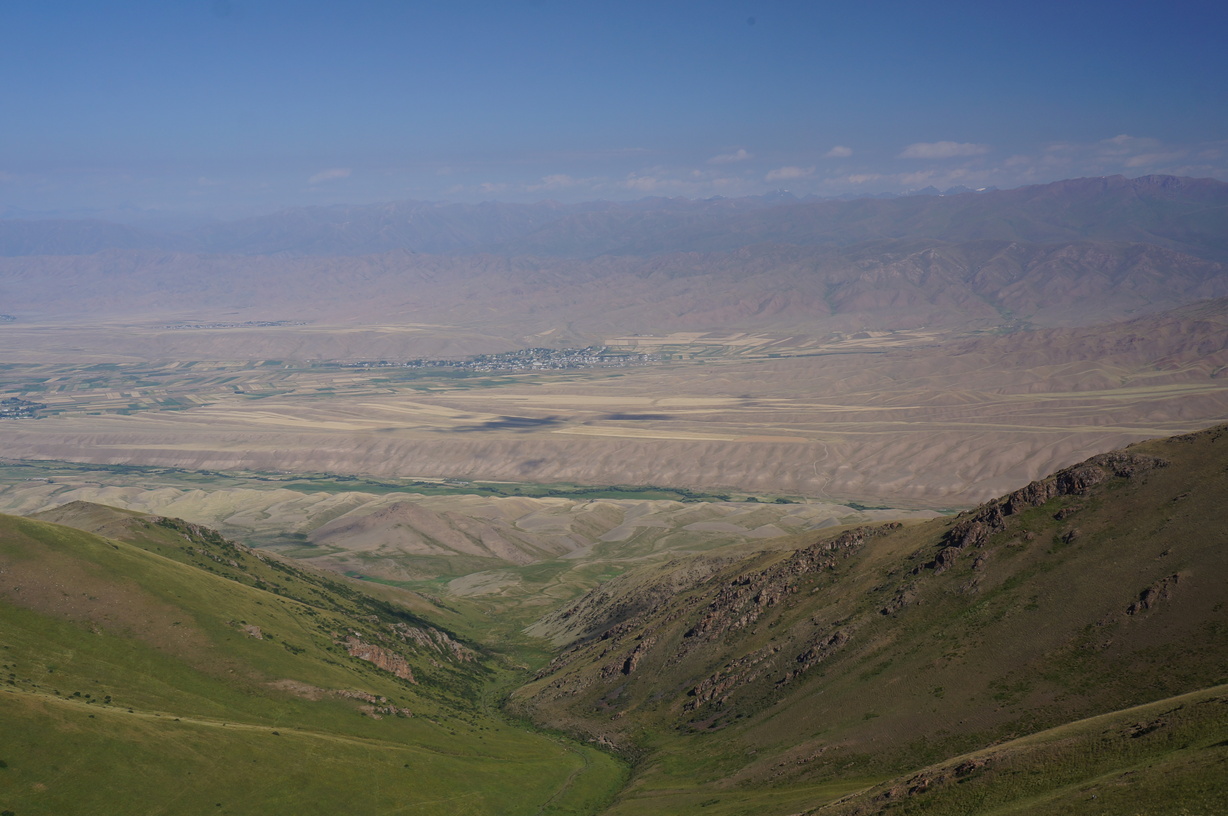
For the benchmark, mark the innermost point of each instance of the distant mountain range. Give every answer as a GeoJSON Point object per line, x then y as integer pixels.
{"type": "Point", "coordinates": [1188, 215]}
{"type": "Point", "coordinates": [1068, 253]}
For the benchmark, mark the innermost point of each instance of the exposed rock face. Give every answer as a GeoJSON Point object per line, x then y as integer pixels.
{"type": "Point", "coordinates": [612, 605]}
{"type": "Point", "coordinates": [631, 661]}
{"type": "Point", "coordinates": [434, 640]}
{"type": "Point", "coordinates": [1076, 480]}
{"type": "Point", "coordinates": [1161, 590]}
{"type": "Point", "coordinates": [377, 706]}
{"type": "Point", "coordinates": [379, 712]}
{"type": "Point", "coordinates": [744, 599]}
{"type": "Point", "coordinates": [717, 688]}
{"type": "Point", "coordinates": [738, 604]}
{"type": "Point", "coordinates": [902, 597]}
{"type": "Point", "coordinates": [381, 657]}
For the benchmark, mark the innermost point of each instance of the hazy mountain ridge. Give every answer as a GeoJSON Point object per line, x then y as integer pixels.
{"type": "Point", "coordinates": [1185, 214]}
{"type": "Point", "coordinates": [1188, 215]}
{"type": "Point", "coordinates": [24, 237]}
{"type": "Point", "coordinates": [785, 289]}
{"type": "Point", "coordinates": [1070, 253]}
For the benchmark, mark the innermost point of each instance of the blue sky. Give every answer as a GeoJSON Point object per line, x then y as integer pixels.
{"type": "Point", "coordinates": [235, 107]}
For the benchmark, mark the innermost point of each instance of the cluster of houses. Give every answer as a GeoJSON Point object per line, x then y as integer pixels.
{"type": "Point", "coordinates": [530, 359]}
{"type": "Point", "coordinates": [18, 408]}
{"type": "Point", "coordinates": [247, 324]}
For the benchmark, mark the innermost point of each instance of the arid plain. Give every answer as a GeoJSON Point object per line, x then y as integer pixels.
{"type": "Point", "coordinates": [789, 357]}
{"type": "Point", "coordinates": [910, 418]}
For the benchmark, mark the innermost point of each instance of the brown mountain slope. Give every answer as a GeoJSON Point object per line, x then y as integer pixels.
{"type": "Point", "coordinates": [884, 649]}
{"type": "Point", "coordinates": [1186, 214]}
{"type": "Point", "coordinates": [811, 290]}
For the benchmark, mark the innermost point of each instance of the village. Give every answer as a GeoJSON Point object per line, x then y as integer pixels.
{"type": "Point", "coordinates": [247, 324]}
{"type": "Point", "coordinates": [530, 359]}
{"type": "Point", "coordinates": [18, 408]}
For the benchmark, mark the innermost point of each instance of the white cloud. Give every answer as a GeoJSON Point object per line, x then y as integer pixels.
{"type": "Point", "coordinates": [786, 173]}
{"type": "Point", "coordinates": [644, 184]}
{"type": "Point", "coordinates": [330, 175]}
{"type": "Point", "coordinates": [555, 181]}
{"type": "Point", "coordinates": [729, 158]}
{"type": "Point", "coordinates": [912, 181]}
{"type": "Point", "coordinates": [674, 181]}
{"type": "Point", "coordinates": [942, 150]}
{"type": "Point", "coordinates": [1124, 144]}
{"type": "Point", "coordinates": [1151, 159]}
{"type": "Point", "coordinates": [1119, 154]}
{"type": "Point", "coordinates": [838, 152]}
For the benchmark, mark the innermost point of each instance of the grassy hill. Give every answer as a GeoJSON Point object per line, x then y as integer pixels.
{"type": "Point", "coordinates": [784, 681]}
{"type": "Point", "coordinates": [164, 669]}
{"type": "Point", "coordinates": [1061, 649]}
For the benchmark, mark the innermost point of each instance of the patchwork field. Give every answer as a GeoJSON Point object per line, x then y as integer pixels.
{"type": "Point", "coordinates": [910, 418]}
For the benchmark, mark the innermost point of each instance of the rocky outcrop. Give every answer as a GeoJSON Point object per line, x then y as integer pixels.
{"type": "Point", "coordinates": [383, 658]}
{"type": "Point", "coordinates": [1157, 593]}
{"type": "Point", "coordinates": [377, 706]}
{"type": "Point", "coordinates": [738, 605]}
{"type": "Point", "coordinates": [434, 640]}
{"type": "Point", "coordinates": [628, 664]}
{"type": "Point", "coordinates": [975, 529]}
{"type": "Point", "coordinates": [820, 650]}
{"type": "Point", "coordinates": [717, 688]}
{"type": "Point", "coordinates": [744, 599]}
{"type": "Point", "coordinates": [621, 600]}
{"type": "Point", "coordinates": [929, 780]}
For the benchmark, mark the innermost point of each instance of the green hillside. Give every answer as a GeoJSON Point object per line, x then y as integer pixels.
{"type": "Point", "coordinates": [1063, 649]}
{"type": "Point", "coordinates": [786, 680]}
{"type": "Point", "coordinates": [187, 674]}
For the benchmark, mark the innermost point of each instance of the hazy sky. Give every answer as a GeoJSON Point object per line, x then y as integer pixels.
{"type": "Point", "coordinates": [243, 106]}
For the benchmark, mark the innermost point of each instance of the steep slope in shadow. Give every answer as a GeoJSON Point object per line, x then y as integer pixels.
{"type": "Point", "coordinates": [788, 679]}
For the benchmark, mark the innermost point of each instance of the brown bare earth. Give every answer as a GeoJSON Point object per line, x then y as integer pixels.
{"type": "Point", "coordinates": [925, 351]}
{"type": "Point", "coordinates": [405, 536]}
{"type": "Point", "coordinates": [910, 418]}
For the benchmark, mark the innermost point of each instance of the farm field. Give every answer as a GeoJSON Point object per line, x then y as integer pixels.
{"type": "Point", "coordinates": [914, 419]}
